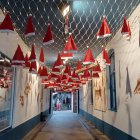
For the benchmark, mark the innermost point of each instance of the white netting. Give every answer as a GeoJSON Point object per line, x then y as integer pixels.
{"type": "Point", "coordinates": [84, 21]}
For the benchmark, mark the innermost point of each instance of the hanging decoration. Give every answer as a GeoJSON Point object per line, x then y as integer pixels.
{"type": "Point", "coordinates": [55, 70]}
{"type": "Point", "coordinates": [70, 45]}
{"type": "Point", "coordinates": [41, 57]}
{"type": "Point", "coordinates": [67, 55]}
{"type": "Point", "coordinates": [18, 58]}
{"type": "Point", "coordinates": [58, 62]}
{"type": "Point", "coordinates": [7, 25]}
{"type": "Point", "coordinates": [67, 70]}
{"type": "Point", "coordinates": [88, 59]}
{"type": "Point", "coordinates": [95, 75]}
{"type": "Point", "coordinates": [27, 63]}
{"type": "Point", "coordinates": [125, 29]}
{"type": "Point", "coordinates": [32, 57]}
{"type": "Point", "coordinates": [48, 39]}
{"type": "Point", "coordinates": [33, 68]}
{"type": "Point", "coordinates": [44, 73]}
{"type": "Point", "coordinates": [104, 30]}
{"type": "Point", "coordinates": [39, 71]}
{"type": "Point", "coordinates": [96, 69]}
{"type": "Point", "coordinates": [29, 31]}
{"type": "Point", "coordinates": [105, 56]}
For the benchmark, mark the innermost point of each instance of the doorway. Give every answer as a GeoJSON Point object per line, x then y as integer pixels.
{"type": "Point", "coordinates": [61, 101]}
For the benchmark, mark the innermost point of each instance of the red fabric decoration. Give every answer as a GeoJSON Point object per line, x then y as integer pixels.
{"type": "Point", "coordinates": [105, 56]}
{"type": "Point", "coordinates": [95, 75]}
{"type": "Point", "coordinates": [88, 59]}
{"type": "Point", "coordinates": [32, 57]}
{"type": "Point", "coordinates": [48, 39]}
{"type": "Point", "coordinates": [39, 71]}
{"type": "Point", "coordinates": [55, 70]}
{"type": "Point", "coordinates": [104, 30]}
{"type": "Point", "coordinates": [18, 58]}
{"type": "Point", "coordinates": [41, 58]}
{"type": "Point", "coordinates": [96, 69]}
{"type": "Point", "coordinates": [7, 24]}
{"type": "Point", "coordinates": [66, 55]}
{"type": "Point", "coordinates": [79, 65]}
{"type": "Point", "coordinates": [125, 30]}
{"type": "Point", "coordinates": [27, 63]}
{"type": "Point", "coordinates": [59, 62]}
{"type": "Point", "coordinates": [29, 28]}
{"type": "Point", "coordinates": [75, 75]}
{"type": "Point", "coordinates": [33, 68]}
{"type": "Point", "coordinates": [44, 73]}
{"type": "Point", "coordinates": [67, 70]}
{"type": "Point", "coordinates": [70, 45]}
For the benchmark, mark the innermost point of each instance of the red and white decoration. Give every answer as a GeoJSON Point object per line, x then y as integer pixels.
{"type": "Point", "coordinates": [70, 45]}
{"type": "Point", "coordinates": [48, 39]}
{"type": "Point", "coordinates": [105, 56]}
{"type": "Point", "coordinates": [29, 31]}
{"type": "Point", "coordinates": [104, 30]}
{"type": "Point", "coordinates": [27, 63]}
{"type": "Point", "coordinates": [18, 58]}
{"type": "Point", "coordinates": [44, 73]}
{"type": "Point", "coordinates": [125, 30]}
{"type": "Point", "coordinates": [58, 62]}
{"type": "Point", "coordinates": [95, 75]}
{"type": "Point", "coordinates": [41, 57]}
{"type": "Point", "coordinates": [67, 55]}
{"type": "Point", "coordinates": [7, 25]}
{"type": "Point", "coordinates": [88, 59]}
{"type": "Point", "coordinates": [33, 68]}
{"type": "Point", "coordinates": [32, 57]}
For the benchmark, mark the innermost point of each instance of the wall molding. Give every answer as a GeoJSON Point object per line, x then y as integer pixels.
{"type": "Point", "coordinates": [111, 131]}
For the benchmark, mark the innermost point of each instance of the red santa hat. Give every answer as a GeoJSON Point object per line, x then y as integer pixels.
{"type": "Point", "coordinates": [104, 30]}
{"type": "Point", "coordinates": [44, 72]}
{"type": "Point", "coordinates": [48, 39]}
{"type": "Point", "coordinates": [7, 25]}
{"type": "Point", "coordinates": [58, 62]}
{"type": "Point", "coordinates": [70, 45]}
{"type": "Point", "coordinates": [18, 58]}
{"type": "Point", "coordinates": [27, 63]}
{"type": "Point", "coordinates": [105, 56]}
{"type": "Point", "coordinates": [33, 68]}
{"type": "Point", "coordinates": [125, 29]}
{"type": "Point", "coordinates": [32, 57]}
{"type": "Point", "coordinates": [88, 59]}
{"type": "Point", "coordinates": [66, 55]}
{"type": "Point", "coordinates": [41, 58]}
{"type": "Point", "coordinates": [95, 75]}
{"type": "Point", "coordinates": [29, 27]}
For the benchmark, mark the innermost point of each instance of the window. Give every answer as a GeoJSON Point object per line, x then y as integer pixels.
{"type": "Point", "coordinates": [5, 92]}
{"type": "Point", "coordinates": [112, 81]}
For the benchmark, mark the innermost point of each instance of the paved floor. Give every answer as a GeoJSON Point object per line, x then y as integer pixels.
{"type": "Point", "coordinates": [64, 126]}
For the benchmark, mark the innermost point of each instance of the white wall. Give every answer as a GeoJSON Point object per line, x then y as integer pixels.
{"type": "Point", "coordinates": [128, 52]}
{"type": "Point", "coordinates": [32, 103]}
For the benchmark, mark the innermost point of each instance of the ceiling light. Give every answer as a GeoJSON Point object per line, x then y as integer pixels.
{"type": "Point", "coordinates": [66, 10]}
